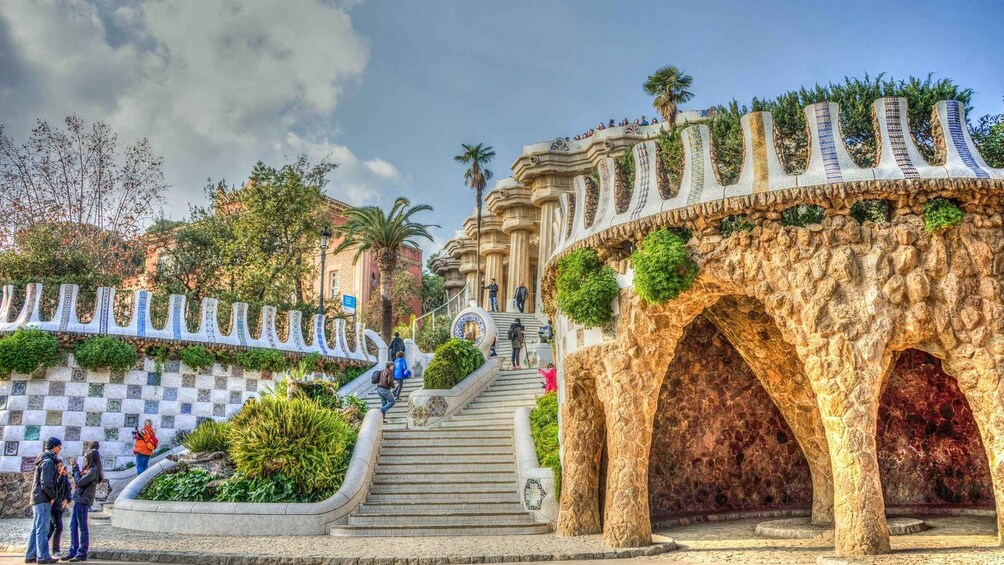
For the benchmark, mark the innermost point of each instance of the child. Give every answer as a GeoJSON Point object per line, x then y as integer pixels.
{"type": "Point", "coordinates": [83, 497]}
{"type": "Point", "coordinates": [59, 506]}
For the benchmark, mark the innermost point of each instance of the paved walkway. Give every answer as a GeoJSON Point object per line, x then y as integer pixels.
{"type": "Point", "coordinates": [950, 541]}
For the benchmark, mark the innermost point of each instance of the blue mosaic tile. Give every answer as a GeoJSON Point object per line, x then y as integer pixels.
{"type": "Point", "coordinates": [219, 410]}
{"type": "Point", "coordinates": [235, 397]}
{"type": "Point", "coordinates": [111, 434]}
{"type": "Point", "coordinates": [54, 418]}
{"type": "Point", "coordinates": [170, 393]}
{"type": "Point", "coordinates": [186, 407]}
{"type": "Point", "coordinates": [153, 379]}
{"type": "Point", "coordinates": [75, 404]}
{"type": "Point", "coordinates": [71, 433]}
{"type": "Point", "coordinates": [57, 388]}
{"type": "Point", "coordinates": [251, 385]}
{"type": "Point", "coordinates": [35, 402]}
{"type": "Point", "coordinates": [93, 419]}
{"type": "Point", "coordinates": [95, 390]}
{"type": "Point", "coordinates": [203, 395]}
{"type": "Point", "coordinates": [134, 392]}
{"type": "Point", "coordinates": [18, 388]}
{"type": "Point", "coordinates": [173, 366]}
{"type": "Point", "coordinates": [31, 433]}
{"type": "Point", "coordinates": [167, 422]}
{"type": "Point", "coordinates": [114, 405]}
{"type": "Point", "coordinates": [78, 375]}
{"type": "Point", "coordinates": [131, 420]}
{"type": "Point", "coordinates": [221, 383]}
{"type": "Point", "coordinates": [15, 418]}
{"type": "Point", "coordinates": [3, 402]}
{"type": "Point", "coordinates": [117, 377]}
{"type": "Point", "coordinates": [188, 380]}
{"type": "Point", "coordinates": [10, 448]}
{"type": "Point", "coordinates": [151, 407]}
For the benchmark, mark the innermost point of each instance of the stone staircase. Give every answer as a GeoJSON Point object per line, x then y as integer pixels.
{"type": "Point", "coordinates": [502, 322]}
{"type": "Point", "coordinates": [455, 479]}
{"type": "Point", "coordinates": [397, 416]}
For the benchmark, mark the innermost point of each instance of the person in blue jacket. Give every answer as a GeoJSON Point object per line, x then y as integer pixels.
{"type": "Point", "coordinates": [401, 372]}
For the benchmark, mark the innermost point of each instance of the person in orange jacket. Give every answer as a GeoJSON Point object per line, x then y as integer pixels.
{"type": "Point", "coordinates": [146, 443]}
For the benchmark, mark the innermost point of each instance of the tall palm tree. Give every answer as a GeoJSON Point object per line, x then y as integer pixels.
{"type": "Point", "coordinates": [369, 228]}
{"type": "Point", "coordinates": [477, 177]}
{"type": "Point", "coordinates": [669, 86]}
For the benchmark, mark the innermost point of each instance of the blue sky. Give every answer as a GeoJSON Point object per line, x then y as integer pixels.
{"type": "Point", "coordinates": [390, 88]}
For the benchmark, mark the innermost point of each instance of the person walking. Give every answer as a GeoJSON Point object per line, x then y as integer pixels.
{"type": "Point", "coordinates": [517, 338]}
{"type": "Point", "coordinates": [401, 372]}
{"type": "Point", "coordinates": [396, 346]}
{"type": "Point", "coordinates": [493, 295]}
{"type": "Point", "coordinates": [521, 295]}
{"type": "Point", "coordinates": [146, 443]}
{"type": "Point", "coordinates": [85, 489]}
{"type": "Point", "coordinates": [43, 492]}
{"type": "Point", "coordinates": [59, 506]}
{"type": "Point", "coordinates": [384, 386]}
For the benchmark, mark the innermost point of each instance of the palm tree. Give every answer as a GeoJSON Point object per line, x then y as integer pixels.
{"type": "Point", "coordinates": [477, 177]}
{"type": "Point", "coordinates": [369, 228]}
{"type": "Point", "coordinates": [669, 86]}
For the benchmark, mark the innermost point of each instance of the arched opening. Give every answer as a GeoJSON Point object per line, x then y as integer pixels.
{"type": "Point", "coordinates": [719, 443]}
{"type": "Point", "coordinates": [929, 449]}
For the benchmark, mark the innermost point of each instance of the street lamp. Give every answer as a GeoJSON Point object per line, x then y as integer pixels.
{"type": "Point", "coordinates": [325, 236]}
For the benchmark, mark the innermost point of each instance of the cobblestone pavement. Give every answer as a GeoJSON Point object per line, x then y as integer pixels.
{"type": "Point", "coordinates": [950, 541]}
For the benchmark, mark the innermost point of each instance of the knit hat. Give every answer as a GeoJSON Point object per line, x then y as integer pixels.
{"type": "Point", "coordinates": [52, 443]}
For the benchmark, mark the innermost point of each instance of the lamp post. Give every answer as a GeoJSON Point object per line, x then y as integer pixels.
{"type": "Point", "coordinates": [325, 236]}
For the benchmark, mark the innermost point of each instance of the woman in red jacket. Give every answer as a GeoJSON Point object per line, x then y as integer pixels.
{"type": "Point", "coordinates": [550, 375]}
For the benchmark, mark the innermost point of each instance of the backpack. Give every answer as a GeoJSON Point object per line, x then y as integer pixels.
{"type": "Point", "coordinates": [153, 442]}
{"type": "Point", "coordinates": [512, 333]}
{"type": "Point", "coordinates": [375, 377]}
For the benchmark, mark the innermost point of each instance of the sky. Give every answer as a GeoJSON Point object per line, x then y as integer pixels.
{"type": "Point", "coordinates": [389, 89]}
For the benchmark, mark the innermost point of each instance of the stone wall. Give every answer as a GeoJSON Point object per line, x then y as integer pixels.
{"type": "Point", "coordinates": [719, 443]}
{"type": "Point", "coordinates": [929, 449]}
{"type": "Point", "coordinates": [14, 491]}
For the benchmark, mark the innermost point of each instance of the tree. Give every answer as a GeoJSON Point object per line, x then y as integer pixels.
{"type": "Point", "coordinates": [404, 289]}
{"type": "Point", "coordinates": [369, 228]}
{"type": "Point", "coordinates": [76, 176]}
{"type": "Point", "coordinates": [46, 253]}
{"type": "Point", "coordinates": [669, 86]}
{"type": "Point", "coordinates": [477, 177]}
{"type": "Point", "coordinates": [988, 135]}
{"type": "Point", "coordinates": [433, 291]}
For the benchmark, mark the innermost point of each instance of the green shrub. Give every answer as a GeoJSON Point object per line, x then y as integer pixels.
{"type": "Point", "coordinates": [210, 436]}
{"type": "Point", "coordinates": [360, 404]}
{"type": "Point", "coordinates": [190, 485]}
{"type": "Point", "coordinates": [870, 211]}
{"type": "Point", "coordinates": [350, 374]}
{"type": "Point", "coordinates": [197, 357]}
{"type": "Point", "coordinates": [105, 352]}
{"type": "Point", "coordinates": [586, 288]}
{"type": "Point", "coordinates": [26, 350]}
{"type": "Point", "coordinates": [802, 215]}
{"type": "Point", "coordinates": [662, 268]}
{"type": "Point", "coordinates": [627, 164]}
{"type": "Point", "coordinates": [262, 360]}
{"type": "Point", "coordinates": [544, 429]}
{"type": "Point", "coordinates": [452, 363]}
{"type": "Point", "coordinates": [295, 438]}
{"type": "Point", "coordinates": [733, 224]}
{"type": "Point", "coordinates": [277, 488]}
{"type": "Point", "coordinates": [430, 338]}
{"type": "Point", "coordinates": [941, 213]}
{"type": "Point", "coordinates": [671, 156]}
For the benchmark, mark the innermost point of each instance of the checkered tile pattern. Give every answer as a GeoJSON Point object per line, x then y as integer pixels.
{"type": "Point", "coordinates": [79, 406]}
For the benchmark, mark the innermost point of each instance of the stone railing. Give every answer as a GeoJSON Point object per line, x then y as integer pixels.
{"type": "Point", "coordinates": [535, 484]}
{"type": "Point", "coordinates": [141, 324]}
{"type": "Point", "coordinates": [762, 171]}
{"type": "Point", "coordinates": [427, 407]}
{"type": "Point", "coordinates": [253, 519]}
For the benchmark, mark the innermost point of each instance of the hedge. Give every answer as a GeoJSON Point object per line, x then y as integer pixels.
{"type": "Point", "coordinates": [452, 363]}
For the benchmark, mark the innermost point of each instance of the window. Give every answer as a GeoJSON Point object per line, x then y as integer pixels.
{"type": "Point", "coordinates": [333, 286]}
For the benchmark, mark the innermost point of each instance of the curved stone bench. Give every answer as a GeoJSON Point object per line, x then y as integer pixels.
{"type": "Point", "coordinates": [535, 484]}
{"type": "Point", "coordinates": [253, 519]}
{"type": "Point", "coordinates": [427, 407]}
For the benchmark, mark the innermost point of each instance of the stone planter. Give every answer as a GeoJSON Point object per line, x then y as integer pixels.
{"type": "Point", "coordinates": [428, 407]}
{"type": "Point", "coordinates": [534, 483]}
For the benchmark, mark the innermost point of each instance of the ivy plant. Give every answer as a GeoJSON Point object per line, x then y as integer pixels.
{"type": "Point", "coordinates": [940, 214]}
{"type": "Point", "coordinates": [737, 223]}
{"type": "Point", "coordinates": [870, 211]}
{"type": "Point", "coordinates": [26, 350]}
{"type": "Point", "coordinates": [586, 288]}
{"type": "Point", "coordinates": [802, 215]}
{"type": "Point", "coordinates": [105, 352]}
{"type": "Point", "coordinates": [662, 267]}
{"type": "Point", "coordinates": [197, 357]}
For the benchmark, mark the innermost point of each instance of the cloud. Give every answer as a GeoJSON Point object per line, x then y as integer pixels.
{"type": "Point", "coordinates": [216, 85]}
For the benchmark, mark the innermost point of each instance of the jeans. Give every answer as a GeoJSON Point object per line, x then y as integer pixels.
{"type": "Point", "coordinates": [56, 527]}
{"type": "Point", "coordinates": [80, 535]}
{"type": "Point", "coordinates": [515, 356]}
{"type": "Point", "coordinates": [388, 399]}
{"type": "Point", "coordinates": [142, 462]}
{"type": "Point", "coordinates": [520, 304]}
{"type": "Point", "coordinates": [38, 539]}
{"type": "Point", "coordinates": [494, 303]}
{"type": "Point", "coordinates": [397, 388]}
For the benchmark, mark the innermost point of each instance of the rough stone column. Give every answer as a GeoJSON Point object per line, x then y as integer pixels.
{"type": "Point", "coordinates": [582, 437]}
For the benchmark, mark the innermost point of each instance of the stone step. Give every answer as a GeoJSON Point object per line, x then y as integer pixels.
{"type": "Point", "coordinates": [435, 434]}
{"type": "Point", "coordinates": [420, 508]}
{"type": "Point", "coordinates": [503, 447]}
{"type": "Point", "coordinates": [482, 419]}
{"type": "Point", "coordinates": [392, 488]}
{"type": "Point", "coordinates": [492, 425]}
{"type": "Point", "coordinates": [479, 406]}
{"type": "Point", "coordinates": [429, 530]}
{"type": "Point", "coordinates": [435, 498]}
{"type": "Point", "coordinates": [514, 393]}
{"type": "Point", "coordinates": [450, 468]}
{"type": "Point", "coordinates": [441, 519]}
{"type": "Point", "coordinates": [439, 477]}
{"type": "Point", "coordinates": [447, 457]}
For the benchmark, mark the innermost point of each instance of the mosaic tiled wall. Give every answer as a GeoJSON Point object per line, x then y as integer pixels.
{"type": "Point", "coordinates": [78, 406]}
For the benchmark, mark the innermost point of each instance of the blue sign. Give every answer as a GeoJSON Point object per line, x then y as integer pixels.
{"type": "Point", "coordinates": [348, 302]}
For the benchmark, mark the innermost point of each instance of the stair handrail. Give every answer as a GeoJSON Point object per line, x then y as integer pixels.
{"type": "Point", "coordinates": [457, 302]}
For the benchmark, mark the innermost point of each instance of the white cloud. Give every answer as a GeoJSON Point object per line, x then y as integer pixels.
{"type": "Point", "coordinates": [216, 85]}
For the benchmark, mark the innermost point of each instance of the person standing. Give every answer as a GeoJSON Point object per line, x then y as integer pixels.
{"type": "Point", "coordinates": [517, 338]}
{"type": "Point", "coordinates": [396, 346]}
{"type": "Point", "coordinates": [521, 295]}
{"type": "Point", "coordinates": [146, 443]}
{"type": "Point", "coordinates": [384, 386]}
{"type": "Point", "coordinates": [550, 376]}
{"type": "Point", "coordinates": [59, 506]}
{"type": "Point", "coordinates": [85, 489]}
{"type": "Point", "coordinates": [43, 492]}
{"type": "Point", "coordinates": [493, 295]}
{"type": "Point", "coordinates": [401, 372]}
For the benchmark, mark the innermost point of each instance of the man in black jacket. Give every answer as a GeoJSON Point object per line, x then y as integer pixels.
{"type": "Point", "coordinates": [43, 492]}
{"type": "Point", "coordinates": [521, 295]}
{"type": "Point", "coordinates": [493, 295]}
{"type": "Point", "coordinates": [59, 506]}
{"type": "Point", "coordinates": [396, 344]}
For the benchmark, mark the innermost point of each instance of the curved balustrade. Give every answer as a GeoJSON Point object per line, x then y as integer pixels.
{"type": "Point", "coordinates": [763, 171]}
{"type": "Point", "coordinates": [66, 320]}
